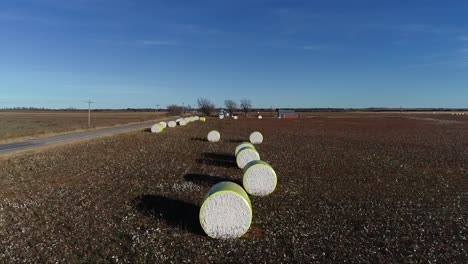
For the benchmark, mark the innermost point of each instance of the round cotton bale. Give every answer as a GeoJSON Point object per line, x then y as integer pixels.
{"type": "Point", "coordinates": [196, 118]}
{"type": "Point", "coordinates": [202, 119]}
{"type": "Point", "coordinates": [246, 155]}
{"type": "Point", "coordinates": [259, 178]}
{"type": "Point", "coordinates": [243, 145]}
{"type": "Point", "coordinates": [235, 117]}
{"type": "Point", "coordinates": [182, 122]}
{"type": "Point", "coordinates": [256, 138]}
{"type": "Point", "coordinates": [157, 128]}
{"type": "Point", "coordinates": [226, 212]}
{"type": "Point", "coordinates": [171, 124]}
{"type": "Point", "coordinates": [221, 116]}
{"type": "Point", "coordinates": [163, 124]}
{"type": "Point", "coordinates": [214, 136]}
{"type": "Point", "coordinates": [260, 117]}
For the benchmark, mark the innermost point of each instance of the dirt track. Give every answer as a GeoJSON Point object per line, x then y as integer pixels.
{"type": "Point", "coordinates": [368, 189]}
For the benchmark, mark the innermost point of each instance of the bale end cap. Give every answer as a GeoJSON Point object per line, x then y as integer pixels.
{"type": "Point", "coordinates": [256, 138]}
{"type": "Point", "coordinates": [214, 136]}
{"type": "Point", "coordinates": [246, 155]}
{"type": "Point", "coordinates": [226, 212]}
{"type": "Point", "coordinates": [259, 178]}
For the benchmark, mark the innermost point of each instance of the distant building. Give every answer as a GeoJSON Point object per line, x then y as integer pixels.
{"type": "Point", "coordinates": [287, 113]}
{"type": "Point", "coordinates": [223, 113]}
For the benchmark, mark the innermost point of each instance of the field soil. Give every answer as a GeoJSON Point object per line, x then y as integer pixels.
{"type": "Point", "coordinates": [21, 125]}
{"type": "Point", "coordinates": [356, 188]}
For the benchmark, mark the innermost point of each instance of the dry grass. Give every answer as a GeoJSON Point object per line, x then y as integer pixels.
{"type": "Point", "coordinates": [20, 125]}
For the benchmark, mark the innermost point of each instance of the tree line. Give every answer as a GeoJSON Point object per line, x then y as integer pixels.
{"type": "Point", "coordinates": [207, 107]}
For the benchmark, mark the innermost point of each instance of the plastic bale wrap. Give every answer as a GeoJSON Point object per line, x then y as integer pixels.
{"type": "Point", "coordinates": [246, 155]}
{"type": "Point", "coordinates": [157, 128]}
{"type": "Point", "coordinates": [214, 136]}
{"type": "Point", "coordinates": [259, 178]}
{"type": "Point", "coordinates": [226, 212]}
{"type": "Point", "coordinates": [202, 119]}
{"type": "Point", "coordinates": [256, 138]}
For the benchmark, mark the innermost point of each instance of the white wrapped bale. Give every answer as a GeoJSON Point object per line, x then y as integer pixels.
{"type": "Point", "coordinates": [259, 178]}
{"type": "Point", "coordinates": [214, 136]}
{"type": "Point", "coordinates": [226, 212]}
{"type": "Point", "coordinates": [221, 116]}
{"type": "Point", "coordinates": [235, 117]}
{"type": "Point", "coordinates": [243, 145]}
{"type": "Point", "coordinates": [172, 124]}
{"type": "Point", "coordinates": [182, 122]}
{"type": "Point", "coordinates": [260, 117]}
{"type": "Point", "coordinates": [196, 118]}
{"type": "Point", "coordinates": [163, 124]}
{"type": "Point", "coordinates": [246, 155]}
{"type": "Point", "coordinates": [157, 128]}
{"type": "Point", "coordinates": [256, 138]}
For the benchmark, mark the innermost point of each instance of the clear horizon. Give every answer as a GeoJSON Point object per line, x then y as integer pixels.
{"type": "Point", "coordinates": [280, 54]}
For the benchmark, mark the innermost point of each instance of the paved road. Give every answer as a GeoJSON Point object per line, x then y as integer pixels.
{"type": "Point", "coordinates": [31, 144]}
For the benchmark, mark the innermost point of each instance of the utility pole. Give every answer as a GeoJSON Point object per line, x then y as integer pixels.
{"type": "Point", "coordinates": [157, 108]}
{"type": "Point", "coordinates": [183, 109]}
{"type": "Point", "coordinates": [89, 112]}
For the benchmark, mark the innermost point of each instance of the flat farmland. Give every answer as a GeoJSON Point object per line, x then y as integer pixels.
{"type": "Point", "coordinates": [16, 125]}
{"type": "Point", "coordinates": [352, 188]}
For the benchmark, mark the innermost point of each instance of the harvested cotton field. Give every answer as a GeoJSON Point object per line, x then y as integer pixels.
{"type": "Point", "coordinates": [350, 187]}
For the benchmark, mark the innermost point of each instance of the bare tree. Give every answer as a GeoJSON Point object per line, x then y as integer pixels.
{"type": "Point", "coordinates": [245, 104]}
{"type": "Point", "coordinates": [175, 109]}
{"type": "Point", "coordinates": [205, 106]}
{"type": "Point", "coordinates": [231, 106]}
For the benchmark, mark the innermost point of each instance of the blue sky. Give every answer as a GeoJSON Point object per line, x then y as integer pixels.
{"type": "Point", "coordinates": [124, 53]}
